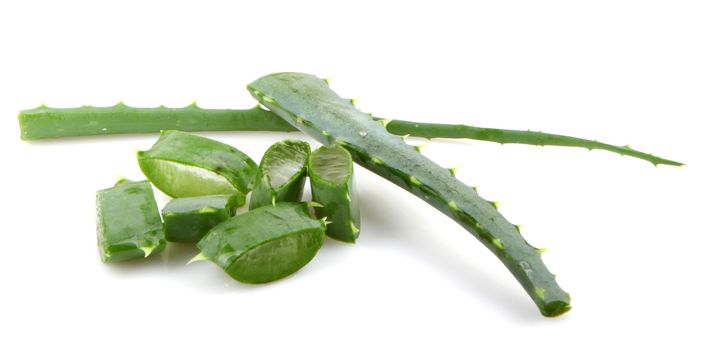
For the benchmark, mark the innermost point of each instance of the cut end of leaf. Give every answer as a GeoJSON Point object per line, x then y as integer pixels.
{"type": "Point", "coordinates": [555, 308]}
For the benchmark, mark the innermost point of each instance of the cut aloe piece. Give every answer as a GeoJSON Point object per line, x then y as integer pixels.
{"type": "Point", "coordinates": [181, 164]}
{"type": "Point", "coordinates": [128, 223]}
{"type": "Point", "coordinates": [264, 244]}
{"type": "Point", "coordinates": [188, 219]}
{"type": "Point", "coordinates": [281, 174]}
{"type": "Point", "coordinates": [331, 178]}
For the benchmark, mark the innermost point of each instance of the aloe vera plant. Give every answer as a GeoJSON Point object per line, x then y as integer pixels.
{"type": "Point", "coordinates": [310, 105]}
{"type": "Point", "coordinates": [189, 219]}
{"type": "Point", "coordinates": [275, 240]}
{"type": "Point", "coordinates": [128, 223]}
{"type": "Point", "coordinates": [264, 244]}
{"type": "Point", "coordinates": [181, 164]}
{"type": "Point", "coordinates": [45, 122]}
{"type": "Point", "coordinates": [282, 174]}
{"type": "Point", "coordinates": [333, 186]}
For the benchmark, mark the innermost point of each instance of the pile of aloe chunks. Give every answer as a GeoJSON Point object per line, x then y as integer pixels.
{"type": "Point", "coordinates": [279, 234]}
{"type": "Point", "coordinates": [209, 180]}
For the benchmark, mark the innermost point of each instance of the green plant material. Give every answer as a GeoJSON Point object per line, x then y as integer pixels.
{"type": "Point", "coordinates": [181, 164]}
{"type": "Point", "coordinates": [45, 122]}
{"type": "Point", "coordinates": [128, 223]}
{"type": "Point", "coordinates": [331, 177]}
{"type": "Point", "coordinates": [264, 244]}
{"type": "Point", "coordinates": [536, 138]}
{"type": "Point", "coordinates": [189, 219]}
{"type": "Point", "coordinates": [307, 102]}
{"type": "Point", "coordinates": [281, 174]}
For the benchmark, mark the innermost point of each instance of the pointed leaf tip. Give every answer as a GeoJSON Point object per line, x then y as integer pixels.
{"type": "Point", "coordinates": [354, 229]}
{"type": "Point", "coordinates": [453, 171]}
{"type": "Point", "coordinates": [147, 251]}
{"type": "Point", "coordinates": [196, 258]}
{"type": "Point", "coordinates": [312, 204]}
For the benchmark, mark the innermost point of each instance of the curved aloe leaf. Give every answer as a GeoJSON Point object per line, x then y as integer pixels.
{"type": "Point", "coordinates": [307, 102]}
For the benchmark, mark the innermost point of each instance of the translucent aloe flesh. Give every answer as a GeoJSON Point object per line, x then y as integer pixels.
{"type": "Point", "coordinates": [264, 244]}
{"type": "Point", "coordinates": [128, 222]}
{"type": "Point", "coordinates": [45, 122]}
{"type": "Point", "coordinates": [282, 174]}
{"type": "Point", "coordinates": [181, 164]}
{"type": "Point", "coordinates": [189, 219]}
{"type": "Point", "coordinates": [333, 186]}
{"type": "Point", "coordinates": [311, 106]}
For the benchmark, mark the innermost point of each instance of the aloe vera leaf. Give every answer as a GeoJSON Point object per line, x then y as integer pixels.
{"type": "Point", "coordinates": [46, 122]}
{"type": "Point", "coordinates": [281, 174]}
{"type": "Point", "coordinates": [189, 219]}
{"type": "Point", "coordinates": [128, 223]}
{"type": "Point", "coordinates": [528, 137]}
{"type": "Point", "coordinates": [181, 164]}
{"type": "Point", "coordinates": [264, 244]}
{"type": "Point", "coordinates": [333, 186]}
{"type": "Point", "coordinates": [310, 105]}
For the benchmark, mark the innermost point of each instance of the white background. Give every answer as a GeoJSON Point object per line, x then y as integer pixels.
{"type": "Point", "coordinates": [622, 235]}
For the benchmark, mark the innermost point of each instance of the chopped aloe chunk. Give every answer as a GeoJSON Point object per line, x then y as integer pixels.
{"type": "Point", "coordinates": [181, 164]}
{"type": "Point", "coordinates": [128, 223]}
{"type": "Point", "coordinates": [281, 174]}
{"type": "Point", "coordinates": [189, 219]}
{"type": "Point", "coordinates": [331, 177]}
{"type": "Point", "coordinates": [264, 244]}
